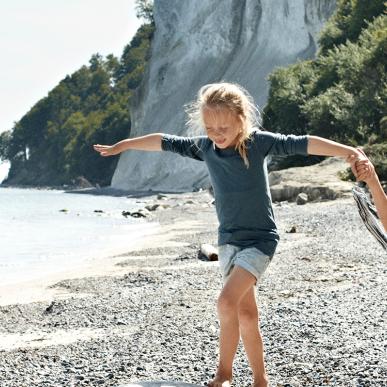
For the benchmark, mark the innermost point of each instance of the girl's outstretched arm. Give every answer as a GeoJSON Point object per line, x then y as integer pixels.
{"type": "Point", "coordinates": [150, 142]}
{"type": "Point", "coordinates": [324, 147]}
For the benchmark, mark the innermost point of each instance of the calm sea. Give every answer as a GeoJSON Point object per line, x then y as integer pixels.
{"type": "Point", "coordinates": [36, 237]}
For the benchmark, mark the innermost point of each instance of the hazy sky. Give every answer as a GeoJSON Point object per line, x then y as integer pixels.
{"type": "Point", "coordinates": [41, 41]}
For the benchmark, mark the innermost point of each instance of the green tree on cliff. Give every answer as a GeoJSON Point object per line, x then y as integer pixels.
{"type": "Point", "coordinates": [52, 143]}
{"type": "Point", "coordinates": [342, 94]}
{"type": "Point", "coordinates": [144, 10]}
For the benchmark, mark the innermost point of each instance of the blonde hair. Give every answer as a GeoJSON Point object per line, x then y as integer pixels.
{"type": "Point", "coordinates": [232, 97]}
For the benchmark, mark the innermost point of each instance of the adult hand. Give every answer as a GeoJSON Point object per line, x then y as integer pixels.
{"type": "Point", "coordinates": [365, 169]}
{"type": "Point", "coordinates": [362, 167]}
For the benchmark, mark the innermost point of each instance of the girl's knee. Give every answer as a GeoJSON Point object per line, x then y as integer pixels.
{"type": "Point", "coordinates": [247, 316]}
{"type": "Point", "coordinates": [226, 304]}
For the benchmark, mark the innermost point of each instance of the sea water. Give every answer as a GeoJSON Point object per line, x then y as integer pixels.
{"type": "Point", "coordinates": [46, 231]}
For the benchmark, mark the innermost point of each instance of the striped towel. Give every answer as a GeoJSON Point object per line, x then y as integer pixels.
{"type": "Point", "coordinates": [368, 214]}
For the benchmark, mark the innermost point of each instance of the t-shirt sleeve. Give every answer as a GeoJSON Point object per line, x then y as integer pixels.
{"type": "Point", "coordinates": [185, 146]}
{"type": "Point", "coordinates": [280, 144]}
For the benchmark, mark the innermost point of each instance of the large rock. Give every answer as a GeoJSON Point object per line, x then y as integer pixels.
{"type": "Point", "coordinates": [199, 42]}
{"type": "Point", "coordinates": [319, 182]}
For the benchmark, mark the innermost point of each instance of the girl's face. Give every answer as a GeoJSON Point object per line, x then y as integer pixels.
{"type": "Point", "coordinates": [223, 126]}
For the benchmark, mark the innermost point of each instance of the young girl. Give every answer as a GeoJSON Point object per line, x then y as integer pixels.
{"type": "Point", "coordinates": [235, 151]}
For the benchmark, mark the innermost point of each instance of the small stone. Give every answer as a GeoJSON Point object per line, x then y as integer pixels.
{"type": "Point", "coordinates": [137, 214]}
{"type": "Point", "coordinates": [292, 230]}
{"type": "Point", "coordinates": [302, 198]}
{"type": "Point", "coordinates": [49, 309]}
{"type": "Point", "coordinates": [82, 182]}
{"type": "Point", "coordinates": [152, 207]}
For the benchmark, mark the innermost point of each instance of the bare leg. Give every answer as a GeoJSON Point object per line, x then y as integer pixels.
{"type": "Point", "coordinates": [237, 285]}
{"type": "Point", "coordinates": [251, 336]}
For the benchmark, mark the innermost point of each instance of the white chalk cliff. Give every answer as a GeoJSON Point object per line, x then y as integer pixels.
{"type": "Point", "coordinates": [200, 42]}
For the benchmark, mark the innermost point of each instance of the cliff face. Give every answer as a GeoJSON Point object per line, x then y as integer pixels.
{"type": "Point", "coordinates": [199, 42]}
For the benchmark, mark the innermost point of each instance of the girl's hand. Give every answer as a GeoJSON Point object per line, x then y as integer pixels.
{"type": "Point", "coordinates": [106, 150]}
{"type": "Point", "coordinates": [352, 159]}
{"type": "Point", "coordinates": [365, 169]}
{"type": "Point", "coordinates": [362, 168]}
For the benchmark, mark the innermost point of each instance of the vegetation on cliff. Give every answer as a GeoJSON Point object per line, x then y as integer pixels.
{"type": "Point", "coordinates": [341, 95]}
{"type": "Point", "coordinates": [52, 143]}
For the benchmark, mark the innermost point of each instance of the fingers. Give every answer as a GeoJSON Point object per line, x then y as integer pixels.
{"type": "Point", "coordinates": [363, 164]}
{"type": "Point", "coordinates": [104, 150]}
{"type": "Point", "coordinates": [363, 170]}
{"type": "Point", "coordinates": [351, 159]}
{"type": "Point", "coordinates": [354, 170]}
{"type": "Point", "coordinates": [365, 167]}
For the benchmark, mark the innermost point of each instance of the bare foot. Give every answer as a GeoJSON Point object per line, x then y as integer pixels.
{"type": "Point", "coordinates": [220, 380]}
{"type": "Point", "coordinates": [261, 382]}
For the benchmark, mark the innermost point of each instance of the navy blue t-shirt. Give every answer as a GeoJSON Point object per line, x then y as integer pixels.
{"type": "Point", "coordinates": [242, 195]}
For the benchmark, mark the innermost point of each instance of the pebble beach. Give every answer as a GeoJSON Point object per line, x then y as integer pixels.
{"type": "Point", "coordinates": [321, 302]}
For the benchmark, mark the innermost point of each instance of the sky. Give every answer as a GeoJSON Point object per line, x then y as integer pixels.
{"type": "Point", "coordinates": [42, 41]}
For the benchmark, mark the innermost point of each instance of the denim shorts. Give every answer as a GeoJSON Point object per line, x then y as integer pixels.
{"type": "Point", "coordinates": [250, 259]}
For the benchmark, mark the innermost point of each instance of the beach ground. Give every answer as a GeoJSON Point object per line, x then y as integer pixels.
{"type": "Point", "coordinates": [150, 314]}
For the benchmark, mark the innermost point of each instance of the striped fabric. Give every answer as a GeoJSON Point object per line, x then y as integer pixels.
{"type": "Point", "coordinates": [369, 215]}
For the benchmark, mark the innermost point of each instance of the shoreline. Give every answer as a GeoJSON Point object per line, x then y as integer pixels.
{"type": "Point", "coordinates": [40, 289]}
{"type": "Point", "coordinates": [107, 190]}
{"type": "Point", "coordinates": [153, 317]}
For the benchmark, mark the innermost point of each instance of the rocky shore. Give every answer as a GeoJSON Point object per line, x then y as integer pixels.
{"type": "Point", "coordinates": [322, 304]}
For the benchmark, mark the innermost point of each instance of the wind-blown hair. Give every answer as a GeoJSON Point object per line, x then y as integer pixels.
{"type": "Point", "coordinates": [229, 96]}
